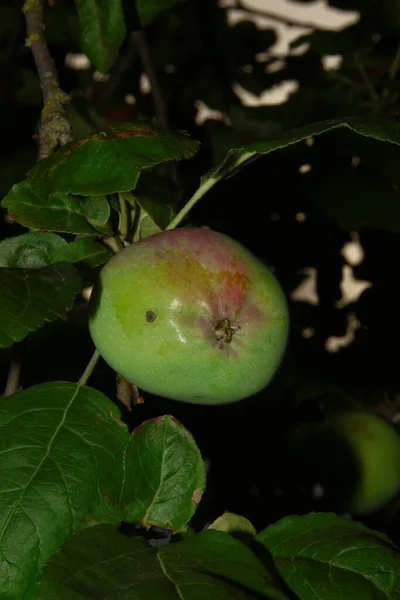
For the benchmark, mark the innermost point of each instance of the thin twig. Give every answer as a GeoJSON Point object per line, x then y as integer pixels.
{"type": "Point", "coordinates": [55, 129]}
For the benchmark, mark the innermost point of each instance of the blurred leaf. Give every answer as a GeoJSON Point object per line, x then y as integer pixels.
{"type": "Point", "coordinates": [148, 10]}
{"type": "Point", "coordinates": [30, 250]}
{"type": "Point", "coordinates": [30, 297]}
{"type": "Point", "coordinates": [211, 563]}
{"type": "Point", "coordinates": [61, 457]}
{"type": "Point", "coordinates": [325, 556]}
{"type": "Point", "coordinates": [357, 198]}
{"type": "Point", "coordinates": [165, 475]}
{"type": "Point", "coordinates": [57, 212]}
{"type": "Point", "coordinates": [83, 250]}
{"type": "Point", "coordinates": [102, 30]}
{"type": "Point", "coordinates": [232, 523]}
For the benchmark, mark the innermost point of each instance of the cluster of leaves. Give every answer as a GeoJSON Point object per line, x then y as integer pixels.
{"type": "Point", "coordinates": [72, 472]}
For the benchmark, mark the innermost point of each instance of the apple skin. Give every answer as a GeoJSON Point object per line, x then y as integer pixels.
{"type": "Point", "coordinates": [376, 447]}
{"type": "Point", "coordinates": [191, 315]}
{"type": "Point", "coordinates": [354, 454]}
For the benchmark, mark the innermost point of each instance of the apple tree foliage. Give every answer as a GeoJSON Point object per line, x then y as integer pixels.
{"type": "Point", "coordinates": [87, 486]}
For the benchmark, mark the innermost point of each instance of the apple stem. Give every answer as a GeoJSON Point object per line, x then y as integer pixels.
{"type": "Point", "coordinates": [199, 193]}
{"type": "Point", "coordinates": [208, 181]}
{"type": "Point", "coordinates": [89, 368]}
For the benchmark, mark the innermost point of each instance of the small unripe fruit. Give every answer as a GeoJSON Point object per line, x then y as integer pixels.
{"type": "Point", "coordinates": [355, 455]}
{"type": "Point", "coordinates": [190, 314]}
{"type": "Point", "coordinates": [375, 445]}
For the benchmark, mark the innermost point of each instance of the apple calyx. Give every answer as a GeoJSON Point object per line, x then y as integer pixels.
{"type": "Point", "coordinates": [224, 330]}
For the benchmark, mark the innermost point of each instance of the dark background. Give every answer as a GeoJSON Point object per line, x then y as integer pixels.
{"type": "Point", "coordinates": [251, 469]}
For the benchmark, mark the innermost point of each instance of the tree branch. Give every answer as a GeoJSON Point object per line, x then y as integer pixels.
{"type": "Point", "coordinates": [55, 129]}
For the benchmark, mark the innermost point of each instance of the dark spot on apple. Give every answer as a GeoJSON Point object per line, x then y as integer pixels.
{"type": "Point", "coordinates": [151, 316]}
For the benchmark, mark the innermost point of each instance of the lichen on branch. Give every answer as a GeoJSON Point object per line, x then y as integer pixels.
{"type": "Point", "coordinates": [55, 129]}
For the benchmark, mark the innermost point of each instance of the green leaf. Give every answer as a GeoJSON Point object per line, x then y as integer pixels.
{"type": "Point", "coordinates": [321, 555]}
{"type": "Point", "coordinates": [35, 250]}
{"type": "Point", "coordinates": [101, 563]}
{"type": "Point", "coordinates": [30, 250]}
{"type": "Point", "coordinates": [61, 449]}
{"type": "Point", "coordinates": [30, 297]}
{"type": "Point", "coordinates": [378, 127]}
{"type": "Point", "coordinates": [102, 30]}
{"type": "Point", "coordinates": [83, 250]}
{"type": "Point", "coordinates": [148, 10]}
{"type": "Point", "coordinates": [108, 161]}
{"type": "Point", "coordinates": [165, 474]}
{"type": "Point", "coordinates": [213, 563]}
{"type": "Point", "coordinates": [57, 212]}
{"type": "Point", "coordinates": [155, 197]}
{"type": "Point", "coordinates": [232, 523]}
{"type": "Point", "coordinates": [154, 216]}
{"type": "Point", "coordinates": [66, 192]}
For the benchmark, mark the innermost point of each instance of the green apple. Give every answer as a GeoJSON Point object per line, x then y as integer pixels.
{"type": "Point", "coordinates": [192, 315]}
{"type": "Point", "coordinates": [355, 455]}
{"type": "Point", "coordinates": [375, 446]}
